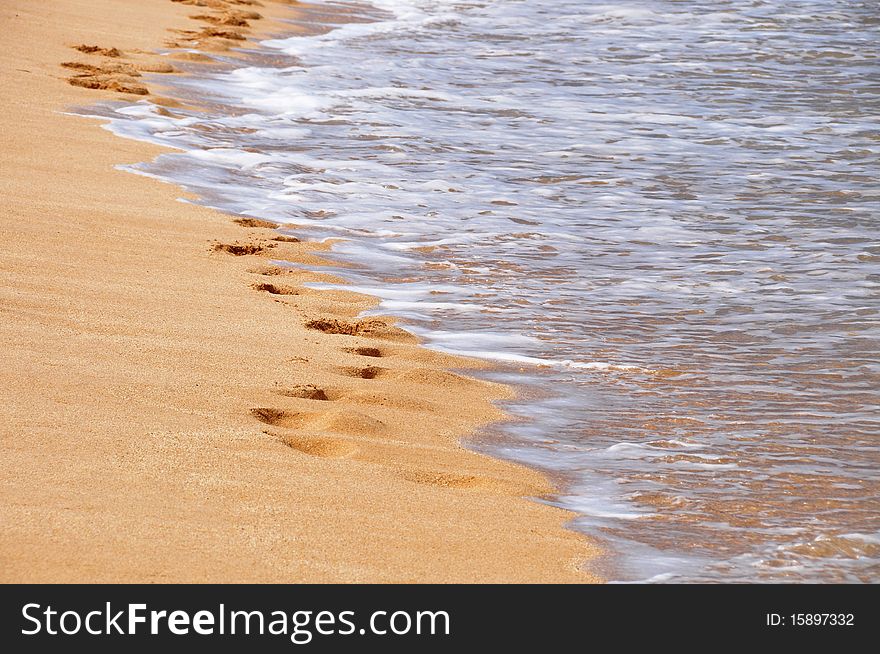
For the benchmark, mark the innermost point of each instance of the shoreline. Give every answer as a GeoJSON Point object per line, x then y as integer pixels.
{"type": "Point", "coordinates": [177, 407]}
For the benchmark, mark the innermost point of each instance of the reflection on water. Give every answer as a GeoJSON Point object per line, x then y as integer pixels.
{"type": "Point", "coordinates": [662, 216]}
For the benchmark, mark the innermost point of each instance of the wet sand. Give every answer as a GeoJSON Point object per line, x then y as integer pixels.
{"type": "Point", "coordinates": [175, 406]}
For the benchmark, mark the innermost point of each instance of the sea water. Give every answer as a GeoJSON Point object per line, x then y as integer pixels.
{"type": "Point", "coordinates": [659, 219]}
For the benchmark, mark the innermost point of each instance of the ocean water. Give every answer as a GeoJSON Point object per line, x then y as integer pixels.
{"type": "Point", "coordinates": [659, 218]}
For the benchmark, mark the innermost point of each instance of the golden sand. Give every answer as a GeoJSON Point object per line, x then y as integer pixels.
{"type": "Point", "coordinates": [176, 407]}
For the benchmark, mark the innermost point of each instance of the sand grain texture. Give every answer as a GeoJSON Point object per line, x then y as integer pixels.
{"type": "Point", "coordinates": [167, 414]}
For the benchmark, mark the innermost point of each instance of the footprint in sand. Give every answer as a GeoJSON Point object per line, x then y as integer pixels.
{"type": "Point", "coordinates": [446, 480]}
{"type": "Point", "coordinates": [327, 448]}
{"type": "Point", "coordinates": [108, 82]}
{"type": "Point", "coordinates": [362, 372]}
{"type": "Point", "coordinates": [310, 392]}
{"type": "Point", "coordinates": [282, 418]}
{"type": "Point", "coordinates": [439, 378]}
{"type": "Point", "coordinates": [112, 75]}
{"type": "Point", "coordinates": [96, 49]}
{"type": "Point", "coordinates": [350, 422]}
{"type": "Point", "coordinates": [270, 271]}
{"type": "Point", "coordinates": [391, 401]}
{"type": "Point", "coordinates": [255, 223]}
{"type": "Point", "coordinates": [367, 328]}
{"type": "Point", "coordinates": [469, 482]}
{"type": "Point", "coordinates": [231, 18]}
{"type": "Point", "coordinates": [275, 289]}
{"type": "Point", "coordinates": [240, 249]}
{"type": "Point", "coordinates": [366, 351]}
{"type": "Point", "coordinates": [341, 421]}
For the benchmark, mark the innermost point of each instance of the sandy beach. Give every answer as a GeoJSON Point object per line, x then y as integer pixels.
{"type": "Point", "coordinates": [178, 408]}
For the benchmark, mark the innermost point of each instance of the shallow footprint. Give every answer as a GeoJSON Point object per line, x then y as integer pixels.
{"type": "Point", "coordinates": [351, 422]}
{"type": "Point", "coordinates": [405, 402]}
{"type": "Point", "coordinates": [275, 289]}
{"type": "Point", "coordinates": [368, 372]}
{"type": "Point", "coordinates": [327, 448]}
{"type": "Point", "coordinates": [470, 482]}
{"type": "Point", "coordinates": [310, 392]}
{"type": "Point", "coordinates": [281, 418]}
{"type": "Point", "coordinates": [366, 351]}
{"type": "Point", "coordinates": [439, 378]}
{"type": "Point", "coordinates": [446, 479]}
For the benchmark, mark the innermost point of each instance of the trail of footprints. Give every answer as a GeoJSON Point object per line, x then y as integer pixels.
{"type": "Point", "coordinates": [225, 25]}
{"type": "Point", "coordinates": [336, 423]}
{"type": "Point", "coordinates": [227, 22]}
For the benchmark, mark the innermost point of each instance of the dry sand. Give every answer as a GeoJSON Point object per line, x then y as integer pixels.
{"type": "Point", "coordinates": [177, 408]}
